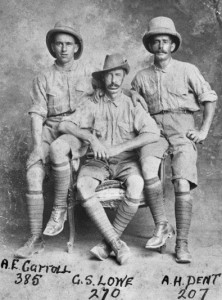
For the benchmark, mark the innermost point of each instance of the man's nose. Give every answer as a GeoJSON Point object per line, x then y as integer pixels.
{"type": "Point", "coordinates": [64, 47]}
{"type": "Point", "coordinates": [160, 45]}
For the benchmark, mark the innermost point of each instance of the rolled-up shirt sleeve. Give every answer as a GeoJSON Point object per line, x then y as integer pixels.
{"type": "Point", "coordinates": [144, 123]}
{"type": "Point", "coordinates": [200, 86]}
{"type": "Point", "coordinates": [38, 97]}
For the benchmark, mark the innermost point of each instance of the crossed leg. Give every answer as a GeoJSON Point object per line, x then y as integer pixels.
{"type": "Point", "coordinates": [65, 149]}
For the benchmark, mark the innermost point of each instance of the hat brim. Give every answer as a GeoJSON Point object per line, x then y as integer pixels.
{"type": "Point", "coordinates": [50, 36]}
{"type": "Point", "coordinates": [149, 35]}
{"type": "Point", "coordinates": [99, 74]}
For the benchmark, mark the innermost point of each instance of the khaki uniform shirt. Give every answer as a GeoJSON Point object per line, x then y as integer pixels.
{"type": "Point", "coordinates": [180, 86]}
{"type": "Point", "coordinates": [114, 122]}
{"type": "Point", "coordinates": [56, 91]}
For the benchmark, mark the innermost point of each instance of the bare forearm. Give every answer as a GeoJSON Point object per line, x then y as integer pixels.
{"type": "Point", "coordinates": [82, 134]}
{"type": "Point", "coordinates": [138, 142]}
{"type": "Point", "coordinates": [208, 114]}
{"type": "Point", "coordinates": [36, 129]}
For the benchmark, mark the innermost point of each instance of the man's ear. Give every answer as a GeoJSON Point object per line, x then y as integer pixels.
{"type": "Point", "coordinates": [53, 47]}
{"type": "Point", "coordinates": [173, 46]}
{"type": "Point", "coordinates": [76, 48]}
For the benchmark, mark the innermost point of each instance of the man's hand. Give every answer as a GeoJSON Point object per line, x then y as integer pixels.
{"type": "Point", "coordinates": [197, 136]}
{"type": "Point", "coordinates": [100, 150]}
{"type": "Point", "coordinates": [136, 97]}
{"type": "Point", "coordinates": [35, 156]}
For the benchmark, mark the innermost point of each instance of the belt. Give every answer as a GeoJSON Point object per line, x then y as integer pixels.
{"type": "Point", "coordinates": [176, 111]}
{"type": "Point", "coordinates": [67, 113]}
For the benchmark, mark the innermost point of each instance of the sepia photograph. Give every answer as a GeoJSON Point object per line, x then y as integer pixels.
{"type": "Point", "coordinates": [111, 150]}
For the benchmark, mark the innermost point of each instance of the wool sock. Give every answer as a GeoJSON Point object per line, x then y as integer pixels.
{"type": "Point", "coordinates": [183, 212]}
{"type": "Point", "coordinates": [98, 215]}
{"type": "Point", "coordinates": [154, 198]}
{"type": "Point", "coordinates": [61, 173]}
{"type": "Point", "coordinates": [35, 203]}
{"type": "Point", "coordinates": [125, 213]}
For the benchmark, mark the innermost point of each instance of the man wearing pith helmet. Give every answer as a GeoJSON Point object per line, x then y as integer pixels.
{"type": "Point", "coordinates": [55, 93]}
{"type": "Point", "coordinates": [116, 129]}
{"type": "Point", "coordinates": [173, 91]}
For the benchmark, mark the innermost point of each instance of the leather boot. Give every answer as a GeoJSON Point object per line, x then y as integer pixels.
{"type": "Point", "coordinates": [183, 255]}
{"type": "Point", "coordinates": [162, 232]}
{"type": "Point", "coordinates": [34, 245]}
{"type": "Point", "coordinates": [101, 250]}
{"type": "Point", "coordinates": [56, 221]}
{"type": "Point", "coordinates": [121, 251]}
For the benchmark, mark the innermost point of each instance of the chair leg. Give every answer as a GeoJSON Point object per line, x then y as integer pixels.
{"type": "Point", "coordinates": [71, 220]}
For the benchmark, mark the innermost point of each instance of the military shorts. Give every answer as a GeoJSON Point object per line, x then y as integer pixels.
{"type": "Point", "coordinates": [183, 151]}
{"type": "Point", "coordinates": [50, 134]}
{"type": "Point", "coordinates": [112, 168]}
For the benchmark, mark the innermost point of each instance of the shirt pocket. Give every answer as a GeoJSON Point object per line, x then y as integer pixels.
{"type": "Point", "coordinates": [52, 101]}
{"type": "Point", "coordinates": [100, 128]}
{"type": "Point", "coordinates": [126, 130]}
{"type": "Point", "coordinates": [177, 95]}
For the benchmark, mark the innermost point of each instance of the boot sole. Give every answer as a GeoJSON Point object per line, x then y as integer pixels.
{"type": "Point", "coordinates": [33, 253]}
{"type": "Point", "coordinates": [183, 261]}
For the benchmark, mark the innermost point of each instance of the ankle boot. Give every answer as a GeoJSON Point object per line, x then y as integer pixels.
{"type": "Point", "coordinates": [182, 253]}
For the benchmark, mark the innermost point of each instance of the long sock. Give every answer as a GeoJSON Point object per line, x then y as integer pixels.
{"type": "Point", "coordinates": [35, 204]}
{"type": "Point", "coordinates": [125, 213]}
{"type": "Point", "coordinates": [154, 198]}
{"type": "Point", "coordinates": [61, 174]}
{"type": "Point", "coordinates": [183, 212]}
{"type": "Point", "coordinates": [98, 215]}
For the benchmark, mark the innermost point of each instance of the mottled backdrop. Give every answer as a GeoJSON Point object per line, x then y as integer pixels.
{"type": "Point", "coordinates": [106, 26]}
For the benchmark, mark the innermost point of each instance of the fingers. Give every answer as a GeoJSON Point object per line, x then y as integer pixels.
{"type": "Point", "coordinates": [101, 153]}
{"type": "Point", "coordinates": [195, 136]}
{"type": "Point", "coordinates": [137, 98]}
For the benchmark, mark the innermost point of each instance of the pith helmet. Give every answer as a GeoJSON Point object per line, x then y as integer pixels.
{"type": "Point", "coordinates": [112, 62]}
{"type": "Point", "coordinates": [161, 25]}
{"type": "Point", "coordinates": [65, 27]}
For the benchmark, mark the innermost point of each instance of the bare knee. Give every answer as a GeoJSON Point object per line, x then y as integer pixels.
{"type": "Point", "coordinates": [134, 186]}
{"type": "Point", "coordinates": [59, 150]}
{"type": "Point", "coordinates": [86, 186]}
{"type": "Point", "coordinates": [181, 185]}
{"type": "Point", "coordinates": [34, 177]}
{"type": "Point", "coordinates": [150, 167]}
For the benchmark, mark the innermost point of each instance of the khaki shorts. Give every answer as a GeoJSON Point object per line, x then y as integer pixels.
{"type": "Point", "coordinates": [102, 170]}
{"type": "Point", "coordinates": [50, 134]}
{"type": "Point", "coordinates": [183, 151]}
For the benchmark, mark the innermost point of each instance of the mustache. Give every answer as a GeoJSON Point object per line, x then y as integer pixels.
{"type": "Point", "coordinates": [113, 85]}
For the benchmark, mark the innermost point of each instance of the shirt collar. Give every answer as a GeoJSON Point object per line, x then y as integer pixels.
{"type": "Point", "coordinates": [61, 69]}
{"type": "Point", "coordinates": [115, 102]}
{"type": "Point", "coordinates": [167, 67]}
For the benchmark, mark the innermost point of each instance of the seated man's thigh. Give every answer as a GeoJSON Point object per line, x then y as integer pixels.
{"type": "Point", "coordinates": [183, 163]}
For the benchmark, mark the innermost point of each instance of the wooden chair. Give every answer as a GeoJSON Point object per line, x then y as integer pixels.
{"type": "Point", "coordinates": [110, 193]}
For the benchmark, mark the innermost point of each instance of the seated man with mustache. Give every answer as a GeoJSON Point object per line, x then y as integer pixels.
{"type": "Point", "coordinates": [113, 128]}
